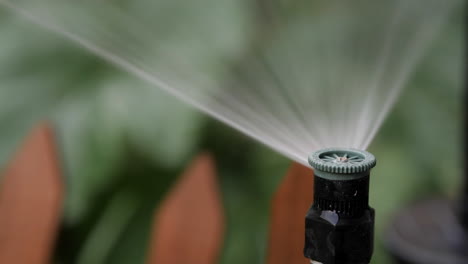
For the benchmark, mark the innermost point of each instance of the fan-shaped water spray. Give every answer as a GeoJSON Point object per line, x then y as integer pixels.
{"type": "Point", "coordinates": [326, 78]}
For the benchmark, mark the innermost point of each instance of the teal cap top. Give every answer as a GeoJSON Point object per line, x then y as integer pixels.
{"type": "Point", "coordinates": [333, 161]}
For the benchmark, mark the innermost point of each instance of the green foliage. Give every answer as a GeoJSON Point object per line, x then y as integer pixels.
{"type": "Point", "coordinates": [123, 142]}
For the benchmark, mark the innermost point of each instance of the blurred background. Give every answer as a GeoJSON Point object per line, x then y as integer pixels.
{"type": "Point", "coordinates": [118, 136]}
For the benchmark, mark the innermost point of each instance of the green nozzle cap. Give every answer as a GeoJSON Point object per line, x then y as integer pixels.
{"type": "Point", "coordinates": [334, 163]}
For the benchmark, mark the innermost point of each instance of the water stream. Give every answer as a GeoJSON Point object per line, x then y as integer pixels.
{"type": "Point", "coordinates": [327, 77]}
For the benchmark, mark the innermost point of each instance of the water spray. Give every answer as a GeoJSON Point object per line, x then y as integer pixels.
{"type": "Point", "coordinates": [343, 67]}
{"type": "Point", "coordinates": [340, 222]}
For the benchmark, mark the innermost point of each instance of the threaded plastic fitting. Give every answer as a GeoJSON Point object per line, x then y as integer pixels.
{"type": "Point", "coordinates": [340, 223]}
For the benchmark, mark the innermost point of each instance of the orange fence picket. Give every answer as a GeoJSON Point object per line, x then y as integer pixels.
{"type": "Point", "coordinates": [289, 207]}
{"type": "Point", "coordinates": [189, 225]}
{"type": "Point", "coordinates": [31, 201]}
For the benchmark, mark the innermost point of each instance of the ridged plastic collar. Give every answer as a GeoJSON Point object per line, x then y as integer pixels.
{"type": "Point", "coordinates": [342, 160]}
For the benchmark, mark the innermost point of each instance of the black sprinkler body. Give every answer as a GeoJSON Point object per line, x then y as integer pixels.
{"type": "Point", "coordinates": [340, 223]}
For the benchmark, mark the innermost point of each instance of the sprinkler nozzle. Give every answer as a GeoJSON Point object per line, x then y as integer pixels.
{"type": "Point", "coordinates": [340, 223]}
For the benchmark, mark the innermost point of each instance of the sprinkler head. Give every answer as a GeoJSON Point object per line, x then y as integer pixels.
{"type": "Point", "coordinates": [340, 223]}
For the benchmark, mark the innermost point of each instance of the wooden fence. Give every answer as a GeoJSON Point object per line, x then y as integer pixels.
{"type": "Point", "coordinates": [32, 192]}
